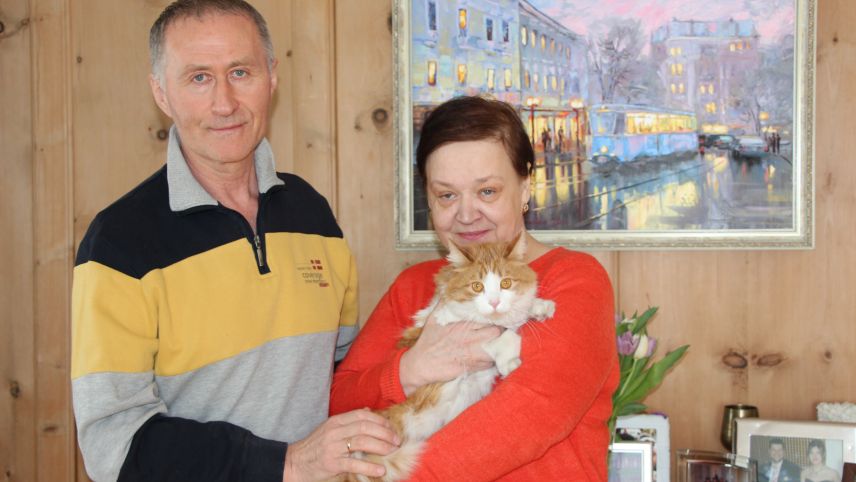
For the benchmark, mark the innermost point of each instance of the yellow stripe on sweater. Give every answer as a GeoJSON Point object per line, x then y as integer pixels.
{"type": "Point", "coordinates": [211, 306]}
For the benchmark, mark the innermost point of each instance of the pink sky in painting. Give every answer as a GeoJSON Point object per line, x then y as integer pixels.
{"type": "Point", "coordinates": [773, 18]}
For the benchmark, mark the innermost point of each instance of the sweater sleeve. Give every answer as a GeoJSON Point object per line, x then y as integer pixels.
{"type": "Point", "coordinates": [566, 379]}
{"type": "Point", "coordinates": [368, 376]}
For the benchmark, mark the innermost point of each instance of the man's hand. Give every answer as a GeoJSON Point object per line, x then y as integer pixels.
{"type": "Point", "coordinates": [326, 452]}
{"type": "Point", "coordinates": [443, 352]}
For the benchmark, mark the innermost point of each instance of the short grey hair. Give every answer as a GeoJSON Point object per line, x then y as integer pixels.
{"type": "Point", "coordinates": [198, 8]}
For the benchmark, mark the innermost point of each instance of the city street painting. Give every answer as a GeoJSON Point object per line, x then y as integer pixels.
{"type": "Point", "coordinates": [655, 124]}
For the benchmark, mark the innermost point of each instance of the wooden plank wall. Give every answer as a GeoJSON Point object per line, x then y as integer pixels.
{"type": "Point", "coordinates": [78, 128]}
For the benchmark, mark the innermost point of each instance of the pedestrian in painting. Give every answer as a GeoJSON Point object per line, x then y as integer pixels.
{"type": "Point", "coordinates": [561, 140]}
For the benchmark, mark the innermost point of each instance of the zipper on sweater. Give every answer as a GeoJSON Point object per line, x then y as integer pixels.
{"type": "Point", "coordinates": [259, 256]}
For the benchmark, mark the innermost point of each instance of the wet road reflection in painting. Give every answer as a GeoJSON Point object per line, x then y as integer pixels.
{"type": "Point", "coordinates": [711, 191]}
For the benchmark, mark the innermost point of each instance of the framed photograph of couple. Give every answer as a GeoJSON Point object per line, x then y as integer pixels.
{"type": "Point", "coordinates": [654, 124]}
{"type": "Point", "coordinates": [793, 451]}
{"type": "Point", "coordinates": [703, 466]}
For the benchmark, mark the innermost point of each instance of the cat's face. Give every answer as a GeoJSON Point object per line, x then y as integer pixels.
{"type": "Point", "coordinates": [489, 283]}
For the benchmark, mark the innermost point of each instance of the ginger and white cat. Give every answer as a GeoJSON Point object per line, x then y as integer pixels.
{"type": "Point", "coordinates": [490, 284]}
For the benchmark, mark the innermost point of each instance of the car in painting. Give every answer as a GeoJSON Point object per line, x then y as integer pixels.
{"type": "Point", "coordinates": [719, 141]}
{"type": "Point", "coordinates": [749, 148]}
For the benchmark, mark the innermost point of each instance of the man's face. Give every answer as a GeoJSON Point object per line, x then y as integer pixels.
{"type": "Point", "coordinates": [217, 87]}
{"type": "Point", "coordinates": [777, 452]}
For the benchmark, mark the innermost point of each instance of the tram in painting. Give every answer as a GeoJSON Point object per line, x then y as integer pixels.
{"type": "Point", "coordinates": [626, 133]}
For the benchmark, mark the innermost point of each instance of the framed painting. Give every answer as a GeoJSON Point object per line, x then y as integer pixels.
{"type": "Point", "coordinates": [655, 124]}
{"type": "Point", "coordinates": [796, 451]}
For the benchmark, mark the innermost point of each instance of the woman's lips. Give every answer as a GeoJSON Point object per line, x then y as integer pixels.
{"type": "Point", "coordinates": [472, 235]}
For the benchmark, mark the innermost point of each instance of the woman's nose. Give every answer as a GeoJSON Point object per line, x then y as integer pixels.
{"type": "Point", "coordinates": [467, 211]}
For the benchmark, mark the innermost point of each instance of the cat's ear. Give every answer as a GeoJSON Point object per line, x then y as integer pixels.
{"type": "Point", "coordinates": [517, 248]}
{"type": "Point", "coordinates": [457, 256]}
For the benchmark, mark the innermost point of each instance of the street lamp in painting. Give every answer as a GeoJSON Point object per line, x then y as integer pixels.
{"type": "Point", "coordinates": [576, 106]}
{"type": "Point", "coordinates": [532, 103]}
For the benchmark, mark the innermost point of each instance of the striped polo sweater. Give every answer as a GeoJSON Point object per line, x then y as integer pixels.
{"type": "Point", "coordinates": [200, 348]}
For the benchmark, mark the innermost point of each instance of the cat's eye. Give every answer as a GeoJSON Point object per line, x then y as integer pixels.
{"type": "Point", "coordinates": [477, 286]}
{"type": "Point", "coordinates": [505, 283]}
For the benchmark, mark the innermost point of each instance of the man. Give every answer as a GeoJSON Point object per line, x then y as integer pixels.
{"type": "Point", "coordinates": [209, 303]}
{"type": "Point", "coordinates": [778, 469]}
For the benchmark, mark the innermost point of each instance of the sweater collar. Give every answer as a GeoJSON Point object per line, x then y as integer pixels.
{"type": "Point", "coordinates": [185, 192]}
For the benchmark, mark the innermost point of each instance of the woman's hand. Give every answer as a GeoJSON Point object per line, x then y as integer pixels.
{"type": "Point", "coordinates": [443, 352]}
{"type": "Point", "coordinates": [326, 452]}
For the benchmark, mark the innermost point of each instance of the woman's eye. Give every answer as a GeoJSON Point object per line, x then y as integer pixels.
{"type": "Point", "coordinates": [505, 283]}
{"type": "Point", "coordinates": [477, 286]}
{"type": "Point", "coordinates": [446, 195]}
{"type": "Point", "coordinates": [488, 191]}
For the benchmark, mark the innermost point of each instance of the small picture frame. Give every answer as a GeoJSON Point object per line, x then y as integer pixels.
{"type": "Point", "coordinates": [630, 462]}
{"type": "Point", "coordinates": [703, 466]}
{"type": "Point", "coordinates": [849, 472]}
{"type": "Point", "coordinates": [653, 429]}
{"type": "Point", "coordinates": [795, 451]}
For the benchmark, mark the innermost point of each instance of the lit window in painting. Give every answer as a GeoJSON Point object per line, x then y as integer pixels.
{"type": "Point", "coordinates": [681, 88]}
{"type": "Point", "coordinates": [710, 88]}
{"type": "Point", "coordinates": [524, 36]}
{"type": "Point", "coordinates": [462, 22]}
{"type": "Point", "coordinates": [535, 81]}
{"type": "Point", "coordinates": [432, 16]}
{"type": "Point", "coordinates": [680, 69]}
{"type": "Point", "coordinates": [533, 38]}
{"type": "Point", "coordinates": [543, 42]}
{"type": "Point", "coordinates": [491, 79]}
{"type": "Point", "coordinates": [526, 80]}
{"type": "Point", "coordinates": [674, 88]}
{"type": "Point", "coordinates": [462, 73]}
{"type": "Point", "coordinates": [545, 83]}
{"type": "Point", "coordinates": [732, 47]}
{"type": "Point", "coordinates": [488, 29]}
{"type": "Point", "coordinates": [554, 83]}
{"type": "Point", "coordinates": [702, 89]}
{"type": "Point", "coordinates": [432, 72]}
{"type": "Point", "coordinates": [552, 46]}
{"type": "Point", "coordinates": [506, 32]}
{"type": "Point", "coordinates": [562, 86]}
{"type": "Point", "coordinates": [508, 79]}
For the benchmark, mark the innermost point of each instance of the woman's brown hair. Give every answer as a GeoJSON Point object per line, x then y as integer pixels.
{"type": "Point", "coordinates": [473, 119]}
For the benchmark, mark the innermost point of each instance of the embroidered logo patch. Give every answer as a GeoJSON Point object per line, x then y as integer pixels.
{"type": "Point", "coordinates": [313, 273]}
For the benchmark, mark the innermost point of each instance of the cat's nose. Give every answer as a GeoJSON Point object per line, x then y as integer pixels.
{"type": "Point", "coordinates": [494, 303]}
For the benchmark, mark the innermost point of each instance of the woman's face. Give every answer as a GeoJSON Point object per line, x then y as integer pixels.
{"type": "Point", "coordinates": [474, 193]}
{"type": "Point", "coordinates": [815, 456]}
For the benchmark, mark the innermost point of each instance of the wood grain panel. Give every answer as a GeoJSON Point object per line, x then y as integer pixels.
{"type": "Point", "coordinates": [52, 239]}
{"type": "Point", "coordinates": [365, 152]}
{"type": "Point", "coordinates": [17, 371]}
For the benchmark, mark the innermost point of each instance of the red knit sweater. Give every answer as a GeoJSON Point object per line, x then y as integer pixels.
{"type": "Point", "coordinates": [546, 420]}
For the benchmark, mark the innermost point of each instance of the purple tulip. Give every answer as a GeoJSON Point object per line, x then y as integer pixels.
{"type": "Point", "coordinates": [627, 343]}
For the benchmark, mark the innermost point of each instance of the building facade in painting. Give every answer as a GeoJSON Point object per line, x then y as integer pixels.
{"type": "Point", "coordinates": [506, 49]}
{"type": "Point", "coordinates": [697, 61]}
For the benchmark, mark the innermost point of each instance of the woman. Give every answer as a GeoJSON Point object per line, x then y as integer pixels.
{"type": "Point", "coordinates": [817, 471]}
{"type": "Point", "coordinates": [547, 419]}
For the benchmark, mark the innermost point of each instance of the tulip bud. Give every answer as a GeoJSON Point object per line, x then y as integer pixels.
{"type": "Point", "coordinates": [641, 348]}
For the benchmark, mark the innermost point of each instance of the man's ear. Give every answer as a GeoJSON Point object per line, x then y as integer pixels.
{"type": "Point", "coordinates": [159, 95]}
{"type": "Point", "coordinates": [274, 80]}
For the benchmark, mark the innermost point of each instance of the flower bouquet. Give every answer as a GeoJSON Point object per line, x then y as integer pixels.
{"type": "Point", "coordinates": [639, 375]}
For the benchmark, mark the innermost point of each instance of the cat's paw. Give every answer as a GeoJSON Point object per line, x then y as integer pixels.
{"type": "Point", "coordinates": [542, 309]}
{"type": "Point", "coordinates": [506, 366]}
